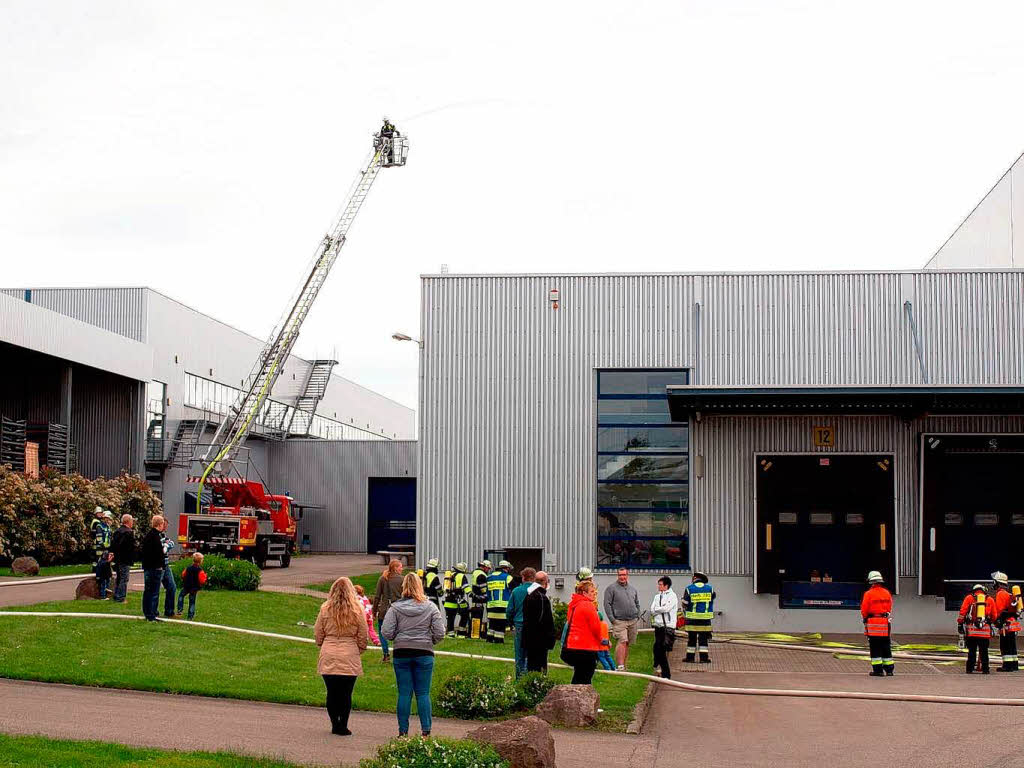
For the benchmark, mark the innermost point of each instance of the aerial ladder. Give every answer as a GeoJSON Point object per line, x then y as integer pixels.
{"type": "Point", "coordinates": [217, 460]}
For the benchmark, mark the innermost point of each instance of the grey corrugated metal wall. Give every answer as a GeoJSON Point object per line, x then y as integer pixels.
{"type": "Point", "coordinates": [121, 310]}
{"type": "Point", "coordinates": [334, 473]}
{"type": "Point", "coordinates": [507, 400]}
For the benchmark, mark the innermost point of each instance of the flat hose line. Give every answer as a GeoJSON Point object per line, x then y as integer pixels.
{"type": "Point", "coordinates": [48, 579]}
{"type": "Point", "coordinates": [694, 687]}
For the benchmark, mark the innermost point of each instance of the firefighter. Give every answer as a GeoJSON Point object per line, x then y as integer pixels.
{"type": "Point", "coordinates": [876, 610]}
{"type": "Point", "coordinates": [974, 621]}
{"type": "Point", "coordinates": [1007, 621]}
{"type": "Point", "coordinates": [456, 600]}
{"type": "Point", "coordinates": [499, 588]}
{"type": "Point", "coordinates": [432, 585]}
{"type": "Point", "coordinates": [100, 530]}
{"type": "Point", "coordinates": [698, 610]}
{"type": "Point", "coordinates": [478, 581]}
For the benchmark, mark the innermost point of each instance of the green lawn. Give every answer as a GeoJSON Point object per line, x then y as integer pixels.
{"type": "Point", "coordinates": [180, 658]}
{"type": "Point", "coordinates": [368, 580]}
{"type": "Point", "coordinates": [26, 751]}
{"type": "Point", "coordinates": [54, 570]}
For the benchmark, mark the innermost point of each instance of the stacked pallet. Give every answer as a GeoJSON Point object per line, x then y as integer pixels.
{"type": "Point", "coordinates": [12, 443]}
{"type": "Point", "coordinates": [53, 444]}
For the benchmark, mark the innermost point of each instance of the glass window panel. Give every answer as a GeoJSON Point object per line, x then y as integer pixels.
{"type": "Point", "coordinates": [986, 518]}
{"type": "Point", "coordinates": [646, 523]}
{"type": "Point", "coordinates": [787, 518]}
{"type": "Point", "coordinates": [821, 518]}
{"type": "Point", "coordinates": [854, 518]}
{"type": "Point", "coordinates": [954, 518]}
{"type": "Point", "coordinates": [633, 412]}
{"type": "Point", "coordinates": [642, 552]}
{"type": "Point", "coordinates": [1017, 519]}
{"type": "Point", "coordinates": [669, 468]}
{"type": "Point", "coordinates": [643, 439]}
{"type": "Point", "coordinates": [643, 495]}
{"type": "Point", "coordinates": [638, 382]}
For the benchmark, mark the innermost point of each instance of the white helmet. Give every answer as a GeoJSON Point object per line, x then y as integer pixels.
{"type": "Point", "coordinates": [874, 577]}
{"type": "Point", "coordinates": [999, 577]}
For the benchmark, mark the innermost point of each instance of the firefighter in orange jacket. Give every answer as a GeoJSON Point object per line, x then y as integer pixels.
{"type": "Point", "coordinates": [876, 609]}
{"type": "Point", "coordinates": [1007, 621]}
{"type": "Point", "coordinates": [975, 621]}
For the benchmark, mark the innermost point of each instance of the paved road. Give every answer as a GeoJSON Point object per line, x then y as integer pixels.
{"type": "Point", "coordinates": [300, 734]}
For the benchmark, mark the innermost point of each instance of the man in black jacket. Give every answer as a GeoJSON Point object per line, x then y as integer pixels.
{"type": "Point", "coordinates": [152, 567]}
{"type": "Point", "coordinates": [122, 545]}
{"type": "Point", "coordinates": [538, 625]}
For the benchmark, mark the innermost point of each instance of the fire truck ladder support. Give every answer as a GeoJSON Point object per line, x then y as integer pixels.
{"type": "Point", "coordinates": [389, 150]}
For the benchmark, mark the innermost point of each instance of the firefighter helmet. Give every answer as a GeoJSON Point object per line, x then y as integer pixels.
{"type": "Point", "coordinates": [700, 576]}
{"type": "Point", "coordinates": [584, 573]}
{"type": "Point", "coordinates": [460, 567]}
{"type": "Point", "coordinates": [433, 563]}
{"type": "Point", "coordinates": [505, 565]}
{"type": "Point", "coordinates": [999, 577]}
{"type": "Point", "coordinates": [484, 564]}
{"type": "Point", "coordinates": [977, 587]}
{"type": "Point", "coordinates": [874, 577]}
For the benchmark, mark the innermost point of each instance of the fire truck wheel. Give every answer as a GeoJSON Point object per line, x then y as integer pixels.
{"type": "Point", "coordinates": [286, 559]}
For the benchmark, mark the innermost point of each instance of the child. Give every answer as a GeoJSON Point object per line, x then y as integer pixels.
{"type": "Point", "coordinates": [192, 580]}
{"type": "Point", "coordinates": [368, 610]}
{"type": "Point", "coordinates": [604, 656]}
{"type": "Point", "coordinates": [103, 573]}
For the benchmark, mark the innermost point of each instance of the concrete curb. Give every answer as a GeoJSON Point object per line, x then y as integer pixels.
{"type": "Point", "coordinates": [642, 708]}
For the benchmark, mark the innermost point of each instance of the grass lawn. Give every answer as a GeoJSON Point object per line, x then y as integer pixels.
{"type": "Point", "coordinates": [187, 659]}
{"type": "Point", "coordinates": [53, 570]}
{"type": "Point", "coordinates": [368, 580]}
{"type": "Point", "coordinates": [25, 751]}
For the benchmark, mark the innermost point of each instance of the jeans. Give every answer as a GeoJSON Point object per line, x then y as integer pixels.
{"type": "Point", "coordinates": [191, 603]}
{"type": "Point", "coordinates": [121, 588]}
{"type": "Point", "coordinates": [605, 659]}
{"type": "Point", "coordinates": [520, 651]}
{"type": "Point", "coordinates": [339, 700]}
{"type": "Point", "coordinates": [383, 640]}
{"type": "Point", "coordinates": [661, 648]}
{"type": "Point", "coordinates": [167, 581]}
{"type": "Point", "coordinates": [413, 674]}
{"type": "Point", "coordinates": [151, 592]}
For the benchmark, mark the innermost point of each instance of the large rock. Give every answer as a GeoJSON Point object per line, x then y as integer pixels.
{"type": "Point", "coordinates": [88, 589]}
{"type": "Point", "coordinates": [525, 742]}
{"type": "Point", "coordinates": [571, 705]}
{"type": "Point", "coordinates": [25, 566]}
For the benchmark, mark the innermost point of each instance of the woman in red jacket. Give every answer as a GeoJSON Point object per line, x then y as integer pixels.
{"type": "Point", "coordinates": [583, 640]}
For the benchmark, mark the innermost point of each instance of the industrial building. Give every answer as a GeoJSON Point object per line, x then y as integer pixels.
{"type": "Point", "coordinates": [115, 379]}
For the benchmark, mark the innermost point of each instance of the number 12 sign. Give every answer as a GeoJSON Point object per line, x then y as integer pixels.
{"type": "Point", "coordinates": [824, 437]}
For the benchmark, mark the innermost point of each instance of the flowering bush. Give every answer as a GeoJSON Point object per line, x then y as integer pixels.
{"type": "Point", "coordinates": [430, 753]}
{"type": "Point", "coordinates": [531, 689]}
{"type": "Point", "coordinates": [222, 573]}
{"type": "Point", "coordinates": [559, 612]}
{"type": "Point", "coordinates": [48, 517]}
{"type": "Point", "coordinates": [473, 697]}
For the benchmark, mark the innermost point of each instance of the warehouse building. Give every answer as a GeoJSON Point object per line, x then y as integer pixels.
{"type": "Point", "coordinates": [119, 379]}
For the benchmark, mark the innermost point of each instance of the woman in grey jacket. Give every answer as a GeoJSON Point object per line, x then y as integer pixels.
{"type": "Point", "coordinates": [414, 626]}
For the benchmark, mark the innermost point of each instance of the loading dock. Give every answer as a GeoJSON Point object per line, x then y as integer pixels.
{"type": "Point", "coordinates": [823, 520]}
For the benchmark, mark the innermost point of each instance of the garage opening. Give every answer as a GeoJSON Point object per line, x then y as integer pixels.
{"type": "Point", "coordinates": [823, 522]}
{"type": "Point", "coordinates": [972, 511]}
{"type": "Point", "coordinates": [391, 514]}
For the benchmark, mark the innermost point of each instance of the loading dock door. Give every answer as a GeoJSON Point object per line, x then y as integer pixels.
{"type": "Point", "coordinates": [972, 506]}
{"type": "Point", "coordinates": [391, 513]}
{"type": "Point", "coordinates": [823, 522]}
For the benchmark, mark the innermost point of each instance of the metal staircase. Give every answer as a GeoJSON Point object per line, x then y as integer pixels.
{"type": "Point", "coordinates": [312, 393]}
{"type": "Point", "coordinates": [187, 436]}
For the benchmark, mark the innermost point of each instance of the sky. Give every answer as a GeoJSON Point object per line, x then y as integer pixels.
{"type": "Point", "coordinates": [202, 149]}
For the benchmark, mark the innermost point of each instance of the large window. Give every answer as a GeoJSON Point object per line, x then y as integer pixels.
{"type": "Point", "coordinates": [643, 472]}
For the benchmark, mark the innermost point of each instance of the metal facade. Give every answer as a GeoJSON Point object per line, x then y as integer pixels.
{"type": "Point", "coordinates": [120, 310]}
{"type": "Point", "coordinates": [334, 474]}
{"type": "Point", "coordinates": [507, 400]}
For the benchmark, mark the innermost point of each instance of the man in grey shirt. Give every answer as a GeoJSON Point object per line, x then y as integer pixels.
{"type": "Point", "coordinates": [622, 609]}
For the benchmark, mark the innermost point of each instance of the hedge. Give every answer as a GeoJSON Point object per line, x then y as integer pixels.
{"type": "Point", "coordinates": [222, 573]}
{"type": "Point", "coordinates": [416, 752]}
{"type": "Point", "coordinates": [480, 697]}
{"type": "Point", "coordinates": [48, 517]}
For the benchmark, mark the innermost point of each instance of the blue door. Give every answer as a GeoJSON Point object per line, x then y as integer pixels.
{"type": "Point", "coordinates": [391, 513]}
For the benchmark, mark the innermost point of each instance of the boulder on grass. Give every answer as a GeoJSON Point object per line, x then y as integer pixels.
{"type": "Point", "coordinates": [574, 706]}
{"type": "Point", "coordinates": [525, 742]}
{"type": "Point", "coordinates": [25, 566]}
{"type": "Point", "coordinates": [89, 589]}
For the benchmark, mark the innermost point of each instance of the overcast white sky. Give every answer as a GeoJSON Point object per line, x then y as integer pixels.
{"type": "Point", "coordinates": [202, 148]}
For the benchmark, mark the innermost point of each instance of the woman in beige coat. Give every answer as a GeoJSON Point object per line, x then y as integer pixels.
{"type": "Point", "coordinates": [340, 632]}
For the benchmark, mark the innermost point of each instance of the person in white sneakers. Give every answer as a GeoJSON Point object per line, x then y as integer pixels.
{"type": "Point", "coordinates": [664, 609]}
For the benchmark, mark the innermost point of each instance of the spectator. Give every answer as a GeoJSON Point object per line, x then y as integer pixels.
{"type": "Point", "coordinates": [389, 589]}
{"type": "Point", "coordinates": [167, 580]}
{"type": "Point", "coordinates": [664, 609]}
{"type": "Point", "coordinates": [123, 548]}
{"type": "Point", "coordinates": [414, 625]}
{"type": "Point", "coordinates": [192, 580]}
{"type": "Point", "coordinates": [604, 656]}
{"type": "Point", "coordinates": [583, 639]}
{"type": "Point", "coordinates": [368, 610]}
{"type": "Point", "coordinates": [152, 568]}
{"type": "Point", "coordinates": [340, 631]}
{"type": "Point", "coordinates": [538, 625]}
{"type": "Point", "coordinates": [622, 606]}
{"type": "Point", "coordinates": [104, 571]}
{"type": "Point", "coordinates": [515, 616]}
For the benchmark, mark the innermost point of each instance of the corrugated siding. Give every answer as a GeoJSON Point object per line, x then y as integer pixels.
{"type": "Point", "coordinates": [507, 396]}
{"type": "Point", "coordinates": [104, 422]}
{"type": "Point", "coordinates": [334, 473]}
{"type": "Point", "coordinates": [120, 310]}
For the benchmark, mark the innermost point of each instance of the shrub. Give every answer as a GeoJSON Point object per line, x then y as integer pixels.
{"type": "Point", "coordinates": [474, 697]}
{"type": "Point", "coordinates": [430, 753]}
{"type": "Point", "coordinates": [222, 573]}
{"type": "Point", "coordinates": [531, 689]}
{"type": "Point", "coordinates": [48, 517]}
{"type": "Point", "coordinates": [559, 611]}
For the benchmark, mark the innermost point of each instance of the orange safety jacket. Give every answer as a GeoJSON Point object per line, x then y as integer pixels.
{"type": "Point", "coordinates": [965, 612]}
{"type": "Point", "coordinates": [1005, 610]}
{"type": "Point", "coordinates": [875, 607]}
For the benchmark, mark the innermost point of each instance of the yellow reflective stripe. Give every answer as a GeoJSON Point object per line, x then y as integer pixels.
{"type": "Point", "coordinates": [700, 615]}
